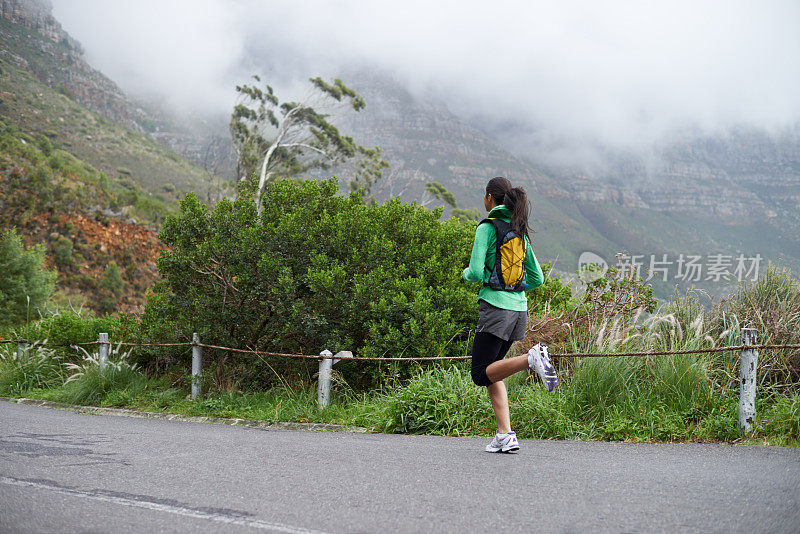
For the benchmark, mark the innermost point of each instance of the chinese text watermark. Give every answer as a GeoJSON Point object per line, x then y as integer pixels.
{"type": "Point", "coordinates": [681, 267]}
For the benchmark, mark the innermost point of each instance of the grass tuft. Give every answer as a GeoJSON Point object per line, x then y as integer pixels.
{"type": "Point", "coordinates": [90, 384]}
{"type": "Point", "coordinates": [41, 368]}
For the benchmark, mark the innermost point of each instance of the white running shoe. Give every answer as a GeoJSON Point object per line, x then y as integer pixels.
{"type": "Point", "coordinates": [503, 443]}
{"type": "Point", "coordinates": [539, 361]}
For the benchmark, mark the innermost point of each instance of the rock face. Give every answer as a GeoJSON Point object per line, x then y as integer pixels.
{"type": "Point", "coordinates": [32, 39]}
{"type": "Point", "coordinates": [36, 15]}
{"type": "Point", "coordinates": [57, 60]}
{"type": "Point", "coordinates": [744, 177]}
{"type": "Point", "coordinates": [424, 142]}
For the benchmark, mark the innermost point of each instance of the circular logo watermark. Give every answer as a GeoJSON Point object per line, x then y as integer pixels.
{"type": "Point", "coordinates": [591, 267]}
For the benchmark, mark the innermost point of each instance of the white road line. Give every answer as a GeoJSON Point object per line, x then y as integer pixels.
{"type": "Point", "coordinates": [178, 510]}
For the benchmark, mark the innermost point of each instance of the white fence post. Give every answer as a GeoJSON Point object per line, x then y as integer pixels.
{"type": "Point", "coordinates": [22, 350]}
{"type": "Point", "coordinates": [324, 379]}
{"type": "Point", "coordinates": [102, 349]}
{"type": "Point", "coordinates": [197, 366]}
{"type": "Point", "coordinates": [748, 364]}
{"type": "Point", "coordinates": [325, 371]}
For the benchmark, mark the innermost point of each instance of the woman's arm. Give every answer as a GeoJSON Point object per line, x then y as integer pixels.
{"type": "Point", "coordinates": [477, 260]}
{"type": "Point", "coordinates": [533, 271]}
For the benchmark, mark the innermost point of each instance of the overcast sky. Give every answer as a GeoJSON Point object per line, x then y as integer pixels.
{"type": "Point", "coordinates": [620, 72]}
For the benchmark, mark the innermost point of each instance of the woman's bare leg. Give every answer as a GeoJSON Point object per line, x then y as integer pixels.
{"type": "Point", "coordinates": [502, 369]}
{"type": "Point", "coordinates": [499, 398]}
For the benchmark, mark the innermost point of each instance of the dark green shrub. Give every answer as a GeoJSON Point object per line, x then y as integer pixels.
{"type": "Point", "coordinates": [112, 280]}
{"type": "Point", "coordinates": [45, 145]}
{"type": "Point", "coordinates": [441, 401]}
{"type": "Point", "coordinates": [552, 296]}
{"type": "Point", "coordinates": [62, 251]}
{"type": "Point", "coordinates": [103, 182]}
{"type": "Point", "coordinates": [68, 327]}
{"type": "Point", "coordinates": [64, 90]}
{"type": "Point", "coordinates": [57, 160]}
{"type": "Point", "coordinates": [321, 271]}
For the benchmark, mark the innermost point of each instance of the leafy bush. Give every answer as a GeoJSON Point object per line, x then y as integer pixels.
{"type": "Point", "coordinates": [318, 271]}
{"type": "Point", "coordinates": [58, 160]}
{"type": "Point", "coordinates": [64, 328]}
{"type": "Point", "coordinates": [112, 279]}
{"type": "Point", "coordinates": [25, 284]}
{"type": "Point", "coordinates": [552, 297]}
{"type": "Point", "coordinates": [40, 368]}
{"type": "Point", "coordinates": [45, 145]}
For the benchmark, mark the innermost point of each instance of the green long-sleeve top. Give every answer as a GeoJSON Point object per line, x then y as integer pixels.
{"type": "Point", "coordinates": [481, 263]}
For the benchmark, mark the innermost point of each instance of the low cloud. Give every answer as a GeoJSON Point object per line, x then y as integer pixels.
{"type": "Point", "coordinates": [571, 74]}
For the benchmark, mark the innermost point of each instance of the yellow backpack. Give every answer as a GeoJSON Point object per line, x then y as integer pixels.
{"type": "Point", "coordinates": [508, 273]}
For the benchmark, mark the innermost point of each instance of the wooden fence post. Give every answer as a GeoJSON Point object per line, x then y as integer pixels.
{"type": "Point", "coordinates": [102, 349]}
{"type": "Point", "coordinates": [748, 365]}
{"type": "Point", "coordinates": [324, 379]}
{"type": "Point", "coordinates": [197, 367]}
{"type": "Point", "coordinates": [22, 350]}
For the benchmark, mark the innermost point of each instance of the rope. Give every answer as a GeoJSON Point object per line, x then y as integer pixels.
{"type": "Point", "coordinates": [667, 352]}
{"type": "Point", "coordinates": [426, 358]}
{"type": "Point", "coordinates": [332, 357]}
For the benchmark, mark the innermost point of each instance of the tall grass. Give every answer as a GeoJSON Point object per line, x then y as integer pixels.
{"type": "Point", "coordinates": [40, 367]}
{"type": "Point", "coordinates": [772, 306]}
{"type": "Point", "coordinates": [89, 383]}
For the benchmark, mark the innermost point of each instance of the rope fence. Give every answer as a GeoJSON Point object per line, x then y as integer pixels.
{"type": "Point", "coordinates": [748, 362]}
{"type": "Point", "coordinates": [706, 350]}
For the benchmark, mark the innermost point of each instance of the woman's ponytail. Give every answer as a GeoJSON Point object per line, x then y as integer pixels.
{"type": "Point", "coordinates": [517, 201]}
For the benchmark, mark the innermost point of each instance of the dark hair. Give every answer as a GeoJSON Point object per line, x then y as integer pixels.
{"type": "Point", "coordinates": [514, 199]}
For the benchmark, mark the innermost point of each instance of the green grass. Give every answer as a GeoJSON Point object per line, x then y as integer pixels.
{"type": "Point", "coordinates": [443, 401]}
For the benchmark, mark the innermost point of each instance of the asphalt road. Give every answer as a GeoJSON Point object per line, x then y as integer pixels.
{"type": "Point", "coordinates": [66, 472]}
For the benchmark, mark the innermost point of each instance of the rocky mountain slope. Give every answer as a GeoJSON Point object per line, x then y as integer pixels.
{"type": "Point", "coordinates": [734, 195]}
{"type": "Point", "coordinates": [138, 139]}
{"type": "Point", "coordinates": [83, 179]}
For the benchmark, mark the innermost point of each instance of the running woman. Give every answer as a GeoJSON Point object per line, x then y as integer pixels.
{"type": "Point", "coordinates": [503, 313]}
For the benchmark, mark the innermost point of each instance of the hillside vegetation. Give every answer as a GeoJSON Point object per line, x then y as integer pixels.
{"type": "Point", "coordinates": [94, 191]}
{"type": "Point", "coordinates": [52, 197]}
{"type": "Point", "coordinates": [119, 151]}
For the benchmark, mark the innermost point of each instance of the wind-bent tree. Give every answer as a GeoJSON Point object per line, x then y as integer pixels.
{"type": "Point", "coordinates": [274, 139]}
{"type": "Point", "coordinates": [440, 192]}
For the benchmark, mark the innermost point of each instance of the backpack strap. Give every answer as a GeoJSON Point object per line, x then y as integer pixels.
{"type": "Point", "coordinates": [501, 228]}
